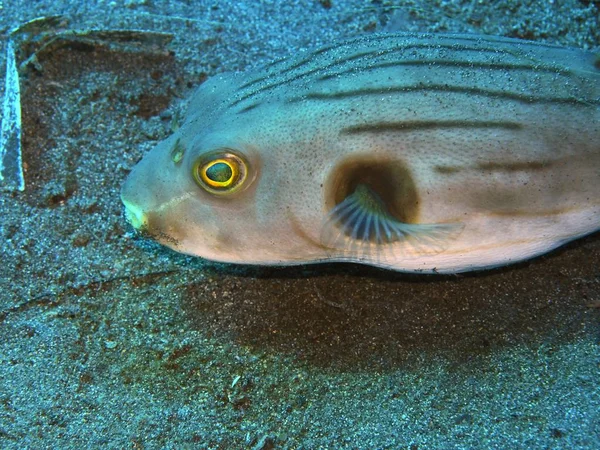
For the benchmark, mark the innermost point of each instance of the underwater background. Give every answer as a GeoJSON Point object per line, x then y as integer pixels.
{"type": "Point", "coordinates": [109, 340]}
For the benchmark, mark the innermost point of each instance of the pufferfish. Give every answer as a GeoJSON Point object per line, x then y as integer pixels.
{"type": "Point", "coordinates": [414, 152]}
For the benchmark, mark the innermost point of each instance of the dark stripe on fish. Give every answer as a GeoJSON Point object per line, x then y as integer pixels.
{"type": "Point", "coordinates": [337, 62]}
{"type": "Point", "coordinates": [384, 127]}
{"type": "Point", "coordinates": [277, 61]}
{"type": "Point", "coordinates": [529, 213]}
{"type": "Point", "coordinates": [248, 108]}
{"type": "Point", "coordinates": [496, 166]}
{"type": "Point", "coordinates": [515, 166]}
{"type": "Point", "coordinates": [450, 63]}
{"type": "Point", "coordinates": [447, 170]}
{"type": "Point", "coordinates": [313, 54]}
{"type": "Point", "coordinates": [525, 98]}
{"type": "Point", "coordinates": [433, 44]}
{"type": "Point", "coordinates": [503, 40]}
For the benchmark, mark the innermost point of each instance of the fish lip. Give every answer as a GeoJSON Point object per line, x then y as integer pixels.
{"type": "Point", "coordinates": [150, 223]}
{"type": "Point", "coordinates": [142, 225]}
{"type": "Point", "coordinates": [135, 215]}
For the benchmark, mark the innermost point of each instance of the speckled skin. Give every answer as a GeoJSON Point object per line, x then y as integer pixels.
{"type": "Point", "coordinates": [500, 137]}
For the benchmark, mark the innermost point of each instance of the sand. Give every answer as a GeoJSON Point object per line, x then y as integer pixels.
{"type": "Point", "coordinates": [112, 341]}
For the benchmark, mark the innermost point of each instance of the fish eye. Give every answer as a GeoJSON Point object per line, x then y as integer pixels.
{"type": "Point", "coordinates": [220, 172]}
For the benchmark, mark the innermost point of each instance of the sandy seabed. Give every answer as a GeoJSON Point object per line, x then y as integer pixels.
{"type": "Point", "coordinates": [111, 341]}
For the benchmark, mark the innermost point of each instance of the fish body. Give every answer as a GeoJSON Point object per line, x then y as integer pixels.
{"type": "Point", "coordinates": [414, 152]}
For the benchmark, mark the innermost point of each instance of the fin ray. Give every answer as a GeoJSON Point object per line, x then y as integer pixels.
{"type": "Point", "coordinates": [361, 226]}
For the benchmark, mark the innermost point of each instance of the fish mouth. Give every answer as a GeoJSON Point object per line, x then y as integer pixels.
{"type": "Point", "coordinates": [145, 226]}
{"type": "Point", "coordinates": [158, 223]}
{"type": "Point", "coordinates": [135, 216]}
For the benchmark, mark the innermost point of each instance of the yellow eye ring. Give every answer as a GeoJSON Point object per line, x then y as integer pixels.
{"type": "Point", "coordinates": [220, 172]}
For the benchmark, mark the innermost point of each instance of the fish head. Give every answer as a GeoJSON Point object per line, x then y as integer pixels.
{"type": "Point", "coordinates": [198, 197]}
{"type": "Point", "coordinates": [221, 188]}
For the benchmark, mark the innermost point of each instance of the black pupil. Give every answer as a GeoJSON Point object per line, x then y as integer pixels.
{"type": "Point", "coordinates": [219, 173]}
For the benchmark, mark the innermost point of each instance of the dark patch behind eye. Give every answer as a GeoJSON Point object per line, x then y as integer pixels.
{"type": "Point", "coordinates": [391, 180]}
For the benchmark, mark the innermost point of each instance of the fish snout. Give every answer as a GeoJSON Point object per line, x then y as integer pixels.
{"type": "Point", "coordinates": [149, 220]}
{"type": "Point", "coordinates": [135, 215]}
{"type": "Point", "coordinates": [133, 200]}
{"type": "Point", "coordinates": [154, 207]}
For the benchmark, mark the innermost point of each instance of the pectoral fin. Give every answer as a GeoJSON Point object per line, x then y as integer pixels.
{"type": "Point", "coordinates": [363, 223]}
